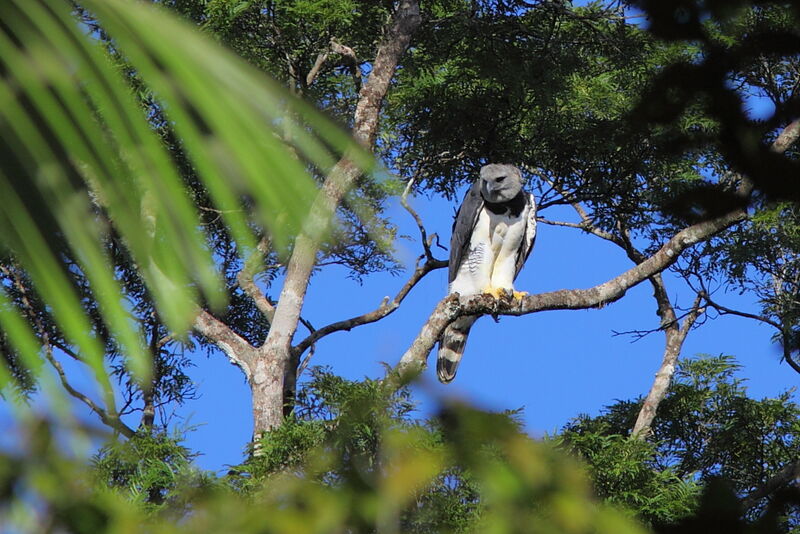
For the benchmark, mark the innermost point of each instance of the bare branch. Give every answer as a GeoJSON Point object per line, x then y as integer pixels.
{"type": "Point", "coordinates": [452, 307]}
{"type": "Point", "coordinates": [112, 420]}
{"type": "Point", "coordinates": [315, 70]}
{"type": "Point", "coordinates": [787, 351]}
{"type": "Point", "coordinates": [724, 310]}
{"type": "Point", "coordinates": [675, 337]}
{"type": "Point", "coordinates": [348, 59]}
{"type": "Point", "coordinates": [386, 308]}
{"type": "Point", "coordinates": [304, 364]}
{"type": "Point", "coordinates": [584, 226]}
{"type": "Point", "coordinates": [235, 347]}
{"type": "Point", "coordinates": [246, 280]}
{"type": "Point", "coordinates": [426, 243]}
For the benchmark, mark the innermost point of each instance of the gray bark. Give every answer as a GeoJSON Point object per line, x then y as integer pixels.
{"type": "Point", "coordinates": [272, 364]}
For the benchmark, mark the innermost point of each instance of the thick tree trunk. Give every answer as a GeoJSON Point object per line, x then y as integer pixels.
{"type": "Point", "coordinates": [273, 362]}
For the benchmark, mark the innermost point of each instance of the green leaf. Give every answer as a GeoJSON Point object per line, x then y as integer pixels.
{"type": "Point", "coordinates": [80, 161]}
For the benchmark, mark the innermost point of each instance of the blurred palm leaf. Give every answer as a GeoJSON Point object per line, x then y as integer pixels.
{"type": "Point", "coordinates": [79, 160]}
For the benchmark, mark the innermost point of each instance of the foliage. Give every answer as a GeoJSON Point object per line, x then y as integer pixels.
{"type": "Point", "coordinates": [147, 469]}
{"type": "Point", "coordinates": [707, 429]}
{"type": "Point", "coordinates": [354, 461]}
{"type": "Point", "coordinates": [75, 133]}
{"type": "Point", "coordinates": [623, 471]}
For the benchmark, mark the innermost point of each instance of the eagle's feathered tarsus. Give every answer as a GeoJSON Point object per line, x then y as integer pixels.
{"type": "Point", "coordinates": [493, 235]}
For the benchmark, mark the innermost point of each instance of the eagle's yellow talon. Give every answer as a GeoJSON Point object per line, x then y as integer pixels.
{"type": "Point", "coordinates": [519, 295]}
{"type": "Point", "coordinates": [493, 291]}
{"type": "Point", "coordinates": [500, 292]}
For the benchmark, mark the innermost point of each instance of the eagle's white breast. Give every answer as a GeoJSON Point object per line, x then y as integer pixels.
{"type": "Point", "coordinates": [493, 248]}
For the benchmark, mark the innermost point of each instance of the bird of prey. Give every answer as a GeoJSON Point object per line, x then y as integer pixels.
{"type": "Point", "coordinates": [493, 235]}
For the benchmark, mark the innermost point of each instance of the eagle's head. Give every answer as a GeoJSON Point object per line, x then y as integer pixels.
{"type": "Point", "coordinates": [500, 182]}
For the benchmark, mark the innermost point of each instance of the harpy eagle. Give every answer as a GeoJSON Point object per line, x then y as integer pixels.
{"type": "Point", "coordinates": [493, 235]}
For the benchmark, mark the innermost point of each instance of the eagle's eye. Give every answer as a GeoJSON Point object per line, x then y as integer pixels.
{"type": "Point", "coordinates": [500, 179]}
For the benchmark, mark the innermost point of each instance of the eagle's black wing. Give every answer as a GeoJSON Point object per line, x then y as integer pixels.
{"type": "Point", "coordinates": [466, 219]}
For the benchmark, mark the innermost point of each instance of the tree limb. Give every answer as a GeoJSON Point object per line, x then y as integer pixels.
{"type": "Point", "coordinates": [452, 306]}
{"type": "Point", "coordinates": [386, 308]}
{"type": "Point", "coordinates": [246, 280]}
{"type": "Point", "coordinates": [724, 310]}
{"type": "Point", "coordinates": [111, 420]}
{"type": "Point", "coordinates": [426, 243]}
{"type": "Point", "coordinates": [786, 475]}
{"type": "Point", "coordinates": [235, 347]}
{"type": "Point", "coordinates": [675, 337]}
{"type": "Point", "coordinates": [584, 226]}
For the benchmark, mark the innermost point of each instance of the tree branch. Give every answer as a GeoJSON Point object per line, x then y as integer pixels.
{"type": "Point", "coordinates": [316, 68]}
{"type": "Point", "coordinates": [271, 366]}
{"type": "Point", "coordinates": [426, 242]}
{"type": "Point", "coordinates": [246, 280]}
{"type": "Point", "coordinates": [583, 226]}
{"type": "Point", "coordinates": [111, 420]}
{"type": "Point", "coordinates": [236, 348]}
{"type": "Point", "coordinates": [349, 60]}
{"type": "Point", "coordinates": [675, 337]}
{"type": "Point", "coordinates": [786, 475]}
{"type": "Point", "coordinates": [452, 306]}
{"type": "Point", "coordinates": [301, 263]}
{"type": "Point", "coordinates": [386, 308]}
{"type": "Point", "coordinates": [724, 310]}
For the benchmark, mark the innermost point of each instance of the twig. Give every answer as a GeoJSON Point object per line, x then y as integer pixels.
{"type": "Point", "coordinates": [724, 310]}
{"type": "Point", "coordinates": [426, 243]}
{"type": "Point", "coordinates": [585, 226]}
{"type": "Point", "coordinates": [111, 420]}
{"type": "Point", "coordinates": [787, 352]}
{"type": "Point", "coordinates": [385, 308]}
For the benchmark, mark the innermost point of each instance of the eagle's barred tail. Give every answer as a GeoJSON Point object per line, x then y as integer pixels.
{"type": "Point", "coordinates": [451, 348]}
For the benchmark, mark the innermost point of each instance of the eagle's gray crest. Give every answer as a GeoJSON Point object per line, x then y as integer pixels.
{"type": "Point", "coordinates": [493, 235]}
